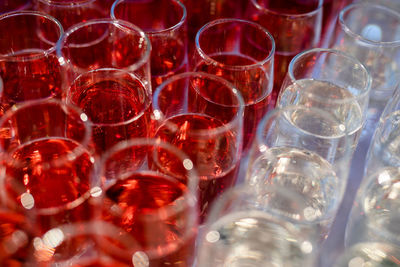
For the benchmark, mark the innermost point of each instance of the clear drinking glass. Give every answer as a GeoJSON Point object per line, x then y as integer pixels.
{"type": "Point", "coordinates": [202, 114]}
{"type": "Point", "coordinates": [47, 163]}
{"type": "Point", "coordinates": [371, 33]}
{"type": "Point", "coordinates": [28, 62]}
{"type": "Point", "coordinates": [241, 52]}
{"type": "Point", "coordinates": [164, 22]}
{"type": "Point", "coordinates": [243, 230]}
{"type": "Point", "coordinates": [295, 26]}
{"type": "Point", "coordinates": [332, 81]}
{"type": "Point", "coordinates": [105, 43]}
{"type": "Point", "coordinates": [306, 150]}
{"type": "Point", "coordinates": [149, 190]}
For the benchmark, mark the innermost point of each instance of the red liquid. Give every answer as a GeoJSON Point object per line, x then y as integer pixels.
{"type": "Point", "coordinates": [118, 109]}
{"type": "Point", "coordinates": [13, 5]}
{"type": "Point", "coordinates": [50, 185]}
{"type": "Point", "coordinates": [252, 84]}
{"type": "Point", "coordinates": [139, 196]}
{"type": "Point", "coordinates": [31, 75]}
{"type": "Point", "coordinates": [214, 157]}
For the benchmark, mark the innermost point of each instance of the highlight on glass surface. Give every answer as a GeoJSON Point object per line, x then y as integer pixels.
{"type": "Point", "coordinates": [28, 63]}
{"type": "Point", "coordinates": [71, 12]}
{"type": "Point", "coordinates": [332, 81]}
{"type": "Point", "coordinates": [295, 26]}
{"type": "Point", "coordinates": [246, 228]}
{"type": "Point", "coordinates": [371, 254]}
{"type": "Point", "coordinates": [242, 52]}
{"type": "Point", "coordinates": [47, 165]}
{"type": "Point", "coordinates": [304, 150]}
{"type": "Point", "coordinates": [149, 190]}
{"type": "Point", "coordinates": [375, 214]}
{"type": "Point", "coordinates": [105, 43]}
{"type": "Point", "coordinates": [165, 23]}
{"type": "Point", "coordinates": [371, 34]}
{"type": "Point", "coordinates": [202, 114]}
{"type": "Point", "coordinates": [117, 102]}
{"type": "Point", "coordinates": [92, 243]}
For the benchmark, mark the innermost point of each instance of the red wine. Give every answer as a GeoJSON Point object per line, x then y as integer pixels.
{"type": "Point", "coordinates": [29, 74]}
{"type": "Point", "coordinates": [119, 109]}
{"type": "Point", "coordinates": [253, 85]}
{"type": "Point", "coordinates": [42, 175]}
{"type": "Point", "coordinates": [143, 202]}
{"type": "Point", "coordinates": [213, 156]}
{"type": "Point", "coordinates": [13, 5]}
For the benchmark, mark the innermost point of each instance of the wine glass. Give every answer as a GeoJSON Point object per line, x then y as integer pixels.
{"type": "Point", "coordinates": [241, 52]}
{"type": "Point", "coordinates": [295, 26]}
{"type": "Point", "coordinates": [206, 125]}
{"type": "Point", "coordinates": [47, 163]}
{"type": "Point", "coordinates": [72, 12]}
{"type": "Point", "coordinates": [243, 230]}
{"type": "Point", "coordinates": [306, 150]}
{"type": "Point", "coordinates": [330, 80]}
{"type": "Point", "coordinates": [104, 43]}
{"type": "Point", "coordinates": [165, 24]}
{"type": "Point", "coordinates": [116, 101]}
{"type": "Point", "coordinates": [28, 64]}
{"type": "Point", "coordinates": [149, 190]}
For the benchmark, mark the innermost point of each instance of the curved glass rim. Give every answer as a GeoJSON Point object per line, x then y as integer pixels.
{"type": "Point", "coordinates": [109, 21]}
{"type": "Point", "coordinates": [66, 4]}
{"type": "Point", "coordinates": [368, 82]}
{"type": "Point", "coordinates": [213, 23]}
{"type": "Point", "coordinates": [133, 76]}
{"type": "Point", "coordinates": [307, 14]}
{"type": "Point", "coordinates": [151, 32]}
{"type": "Point", "coordinates": [159, 115]}
{"type": "Point", "coordinates": [38, 14]}
{"type": "Point", "coordinates": [357, 36]}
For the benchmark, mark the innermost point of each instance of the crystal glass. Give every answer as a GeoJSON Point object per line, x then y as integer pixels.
{"type": "Point", "coordinates": [164, 22]}
{"type": "Point", "coordinates": [332, 81]}
{"type": "Point", "coordinates": [28, 63]}
{"type": "Point", "coordinates": [47, 165]}
{"type": "Point", "coordinates": [241, 52]}
{"type": "Point", "coordinates": [149, 190]}
{"type": "Point", "coordinates": [306, 150]}
{"type": "Point", "coordinates": [243, 230]}
{"type": "Point", "coordinates": [207, 126]}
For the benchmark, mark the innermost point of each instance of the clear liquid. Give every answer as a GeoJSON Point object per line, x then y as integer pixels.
{"type": "Point", "coordinates": [251, 238]}
{"type": "Point", "coordinates": [304, 173]}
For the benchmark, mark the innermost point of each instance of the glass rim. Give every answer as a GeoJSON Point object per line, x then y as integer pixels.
{"type": "Point", "coordinates": [320, 51]}
{"type": "Point", "coordinates": [158, 115]}
{"type": "Point", "coordinates": [152, 32]}
{"type": "Point", "coordinates": [46, 52]}
{"type": "Point", "coordinates": [307, 14]}
{"type": "Point", "coordinates": [133, 76]}
{"type": "Point", "coordinates": [108, 21]}
{"type": "Point", "coordinates": [260, 28]}
{"type": "Point", "coordinates": [66, 4]}
{"type": "Point", "coordinates": [359, 37]}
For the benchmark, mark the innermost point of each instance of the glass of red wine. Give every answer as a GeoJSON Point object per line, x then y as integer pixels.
{"type": "Point", "coordinates": [295, 26]}
{"type": "Point", "coordinates": [105, 43]}
{"type": "Point", "coordinates": [72, 12]}
{"type": "Point", "coordinates": [202, 114]}
{"type": "Point", "coordinates": [165, 24]}
{"type": "Point", "coordinates": [241, 52]}
{"type": "Point", "coordinates": [28, 64]}
{"type": "Point", "coordinates": [47, 165]}
{"type": "Point", "coordinates": [153, 198]}
{"type": "Point", "coordinates": [116, 102]}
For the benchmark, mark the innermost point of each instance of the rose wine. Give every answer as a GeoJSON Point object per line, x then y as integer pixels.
{"type": "Point", "coordinates": [118, 108]}
{"type": "Point", "coordinates": [152, 207]}
{"type": "Point", "coordinates": [46, 176]}
{"type": "Point", "coordinates": [213, 156]}
{"type": "Point", "coordinates": [30, 74]}
{"type": "Point", "coordinates": [253, 84]}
